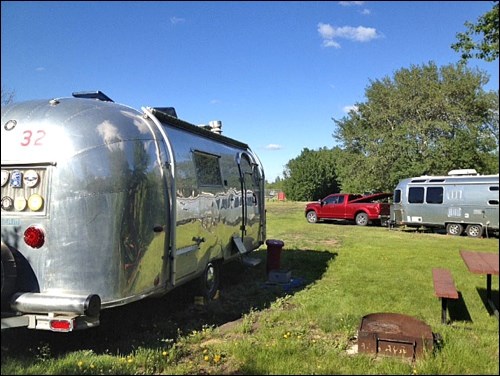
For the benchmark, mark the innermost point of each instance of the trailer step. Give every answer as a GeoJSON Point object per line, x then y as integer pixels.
{"type": "Point", "coordinates": [250, 261]}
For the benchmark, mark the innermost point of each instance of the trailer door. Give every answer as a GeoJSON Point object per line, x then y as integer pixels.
{"type": "Point", "coordinates": [251, 194]}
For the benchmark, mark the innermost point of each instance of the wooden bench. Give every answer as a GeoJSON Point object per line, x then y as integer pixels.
{"type": "Point", "coordinates": [444, 288]}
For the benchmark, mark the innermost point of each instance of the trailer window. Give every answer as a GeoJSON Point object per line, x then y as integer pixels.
{"type": "Point", "coordinates": [434, 195]}
{"type": "Point", "coordinates": [207, 169]}
{"type": "Point", "coordinates": [494, 188]}
{"type": "Point", "coordinates": [397, 196]}
{"type": "Point", "coordinates": [416, 195]}
{"type": "Point", "coordinates": [493, 202]}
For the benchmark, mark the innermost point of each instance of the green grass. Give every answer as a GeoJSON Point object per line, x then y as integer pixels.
{"type": "Point", "coordinates": [345, 272]}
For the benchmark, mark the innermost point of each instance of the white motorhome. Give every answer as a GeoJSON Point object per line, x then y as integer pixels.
{"type": "Point", "coordinates": [461, 202]}
{"type": "Point", "coordinates": [103, 205]}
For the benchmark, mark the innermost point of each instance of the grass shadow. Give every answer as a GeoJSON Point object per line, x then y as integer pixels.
{"type": "Point", "coordinates": [494, 299]}
{"type": "Point", "coordinates": [152, 322]}
{"type": "Point", "coordinates": [457, 309]}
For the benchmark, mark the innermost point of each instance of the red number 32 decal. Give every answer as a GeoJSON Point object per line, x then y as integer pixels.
{"type": "Point", "coordinates": [33, 139]}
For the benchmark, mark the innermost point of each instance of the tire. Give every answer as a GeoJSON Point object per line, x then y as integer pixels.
{"type": "Point", "coordinates": [361, 219]}
{"type": "Point", "coordinates": [312, 217]}
{"type": "Point", "coordinates": [209, 281]}
{"type": "Point", "coordinates": [9, 273]}
{"type": "Point", "coordinates": [454, 229]}
{"type": "Point", "coordinates": [474, 231]}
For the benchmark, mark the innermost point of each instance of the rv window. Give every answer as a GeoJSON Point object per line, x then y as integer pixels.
{"type": "Point", "coordinates": [434, 195]}
{"type": "Point", "coordinates": [418, 180]}
{"type": "Point", "coordinates": [493, 202]}
{"type": "Point", "coordinates": [207, 169]}
{"type": "Point", "coordinates": [416, 195]}
{"type": "Point", "coordinates": [397, 196]}
{"type": "Point", "coordinates": [494, 188]}
{"type": "Point", "coordinates": [436, 180]}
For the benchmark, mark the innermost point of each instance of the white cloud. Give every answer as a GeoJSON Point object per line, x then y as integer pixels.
{"type": "Point", "coordinates": [40, 69]}
{"type": "Point", "coordinates": [365, 11]}
{"type": "Point", "coordinates": [350, 108]}
{"type": "Point", "coordinates": [349, 3]}
{"type": "Point", "coordinates": [274, 147]}
{"type": "Point", "coordinates": [175, 20]}
{"type": "Point", "coordinates": [357, 34]}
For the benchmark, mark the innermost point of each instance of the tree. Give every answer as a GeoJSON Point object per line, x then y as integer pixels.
{"type": "Point", "coordinates": [311, 175]}
{"type": "Point", "coordinates": [487, 47]}
{"type": "Point", "coordinates": [424, 120]}
{"type": "Point", "coordinates": [7, 96]}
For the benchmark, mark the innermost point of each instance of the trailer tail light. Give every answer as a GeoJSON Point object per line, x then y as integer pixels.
{"type": "Point", "coordinates": [59, 325]}
{"type": "Point", "coordinates": [34, 237]}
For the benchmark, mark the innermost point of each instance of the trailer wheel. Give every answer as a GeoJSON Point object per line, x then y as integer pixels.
{"type": "Point", "coordinates": [362, 219]}
{"type": "Point", "coordinates": [9, 273]}
{"type": "Point", "coordinates": [312, 217]}
{"type": "Point", "coordinates": [454, 229]}
{"type": "Point", "coordinates": [210, 280]}
{"type": "Point", "coordinates": [474, 231]}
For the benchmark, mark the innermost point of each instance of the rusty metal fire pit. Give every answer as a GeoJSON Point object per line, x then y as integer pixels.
{"type": "Point", "coordinates": [394, 334]}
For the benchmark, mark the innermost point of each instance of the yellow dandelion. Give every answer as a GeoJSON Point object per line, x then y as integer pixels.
{"type": "Point", "coordinates": [206, 358]}
{"type": "Point", "coordinates": [80, 364]}
{"type": "Point", "coordinates": [217, 358]}
{"type": "Point", "coordinates": [92, 366]}
{"type": "Point", "coordinates": [164, 353]}
{"type": "Point", "coordinates": [130, 360]}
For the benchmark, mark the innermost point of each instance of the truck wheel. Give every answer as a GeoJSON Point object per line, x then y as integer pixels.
{"type": "Point", "coordinates": [361, 219]}
{"type": "Point", "coordinates": [312, 217]}
{"type": "Point", "coordinates": [454, 229]}
{"type": "Point", "coordinates": [210, 280]}
{"type": "Point", "coordinates": [474, 231]}
{"type": "Point", "coordinates": [9, 273]}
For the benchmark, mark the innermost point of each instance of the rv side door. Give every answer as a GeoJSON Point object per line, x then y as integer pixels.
{"type": "Point", "coordinates": [250, 196]}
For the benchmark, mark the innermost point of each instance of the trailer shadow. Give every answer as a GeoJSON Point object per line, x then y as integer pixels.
{"type": "Point", "coordinates": [152, 322]}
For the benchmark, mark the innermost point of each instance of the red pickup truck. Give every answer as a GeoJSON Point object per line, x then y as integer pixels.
{"type": "Point", "coordinates": [361, 209]}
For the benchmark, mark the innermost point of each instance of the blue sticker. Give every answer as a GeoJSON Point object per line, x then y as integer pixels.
{"type": "Point", "coordinates": [16, 179]}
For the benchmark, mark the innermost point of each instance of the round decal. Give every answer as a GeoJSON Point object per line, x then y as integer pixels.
{"type": "Point", "coordinates": [30, 178]}
{"type": "Point", "coordinates": [35, 202]}
{"type": "Point", "coordinates": [5, 177]}
{"type": "Point", "coordinates": [20, 203]}
{"type": "Point", "coordinates": [7, 203]}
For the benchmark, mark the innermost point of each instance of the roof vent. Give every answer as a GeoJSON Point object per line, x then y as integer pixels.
{"type": "Point", "coordinates": [216, 126]}
{"type": "Point", "coordinates": [463, 172]}
{"type": "Point", "coordinates": [167, 110]}
{"type": "Point", "coordinates": [99, 95]}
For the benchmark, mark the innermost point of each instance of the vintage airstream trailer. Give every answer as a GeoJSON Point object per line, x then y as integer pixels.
{"type": "Point", "coordinates": [461, 202]}
{"type": "Point", "coordinates": [103, 205]}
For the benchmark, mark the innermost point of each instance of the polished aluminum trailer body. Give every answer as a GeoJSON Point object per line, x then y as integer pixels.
{"type": "Point", "coordinates": [460, 203]}
{"type": "Point", "coordinates": [103, 205]}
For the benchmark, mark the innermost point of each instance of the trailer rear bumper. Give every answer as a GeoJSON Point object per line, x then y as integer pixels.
{"type": "Point", "coordinates": [60, 313]}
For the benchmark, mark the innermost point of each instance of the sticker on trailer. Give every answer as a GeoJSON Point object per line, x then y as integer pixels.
{"type": "Point", "coordinates": [16, 179]}
{"type": "Point", "coordinates": [413, 219]}
{"type": "Point", "coordinates": [5, 177]}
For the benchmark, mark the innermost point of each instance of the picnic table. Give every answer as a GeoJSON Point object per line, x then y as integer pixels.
{"type": "Point", "coordinates": [483, 263]}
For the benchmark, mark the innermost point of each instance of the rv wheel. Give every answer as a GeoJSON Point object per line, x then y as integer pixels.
{"type": "Point", "coordinates": [9, 272]}
{"type": "Point", "coordinates": [210, 280]}
{"type": "Point", "coordinates": [454, 229]}
{"type": "Point", "coordinates": [474, 231]}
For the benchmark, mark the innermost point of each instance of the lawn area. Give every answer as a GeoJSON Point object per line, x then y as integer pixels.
{"type": "Point", "coordinates": [340, 273]}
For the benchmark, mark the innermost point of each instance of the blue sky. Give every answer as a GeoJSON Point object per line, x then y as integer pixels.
{"type": "Point", "coordinates": [274, 73]}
